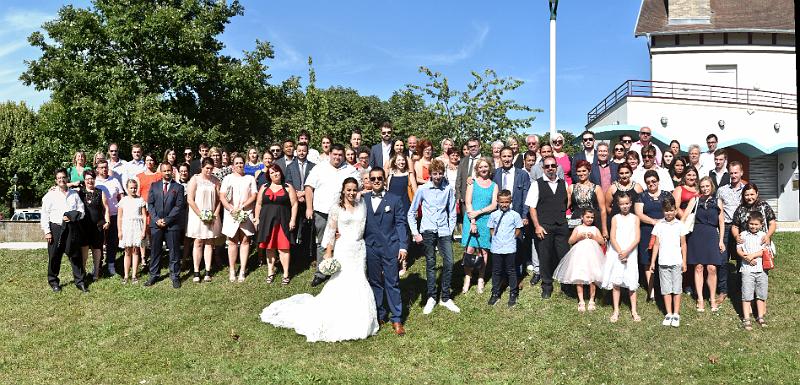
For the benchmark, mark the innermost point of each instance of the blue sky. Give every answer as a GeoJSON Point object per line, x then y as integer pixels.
{"type": "Point", "coordinates": [376, 47]}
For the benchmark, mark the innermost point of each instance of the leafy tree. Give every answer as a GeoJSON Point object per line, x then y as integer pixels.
{"type": "Point", "coordinates": [17, 127]}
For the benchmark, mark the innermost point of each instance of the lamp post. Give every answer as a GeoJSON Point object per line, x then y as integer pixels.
{"type": "Point", "coordinates": [15, 198]}
{"type": "Point", "coordinates": [553, 10]}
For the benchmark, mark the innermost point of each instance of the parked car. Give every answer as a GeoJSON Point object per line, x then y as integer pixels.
{"type": "Point", "coordinates": [27, 215]}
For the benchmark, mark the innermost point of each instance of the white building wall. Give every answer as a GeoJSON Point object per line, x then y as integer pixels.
{"type": "Point", "coordinates": [768, 71]}
{"type": "Point", "coordinates": [788, 189]}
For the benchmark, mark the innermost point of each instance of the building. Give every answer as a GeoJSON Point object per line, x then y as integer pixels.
{"type": "Point", "coordinates": [718, 66]}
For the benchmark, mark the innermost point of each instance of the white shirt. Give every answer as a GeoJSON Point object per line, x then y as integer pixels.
{"type": "Point", "coordinates": [664, 179]}
{"type": "Point", "coordinates": [637, 146]}
{"type": "Point", "coordinates": [471, 163]}
{"type": "Point", "coordinates": [385, 148]}
{"type": "Point", "coordinates": [533, 194]}
{"type": "Point", "coordinates": [589, 156]}
{"type": "Point", "coordinates": [669, 242]}
{"type": "Point", "coordinates": [111, 187]}
{"type": "Point", "coordinates": [751, 243]}
{"type": "Point", "coordinates": [130, 170]}
{"type": "Point", "coordinates": [326, 181]}
{"type": "Point", "coordinates": [113, 165]}
{"type": "Point", "coordinates": [313, 155]}
{"type": "Point", "coordinates": [55, 203]}
{"type": "Point", "coordinates": [509, 179]}
{"type": "Point", "coordinates": [706, 164]}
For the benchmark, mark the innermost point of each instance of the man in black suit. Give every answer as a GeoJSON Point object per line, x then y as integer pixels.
{"type": "Point", "coordinates": [588, 154]}
{"type": "Point", "coordinates": [165, 203]}
{"type": "Point", "coordinates": [381, 152]}
{"type": "Point", "coordinates": [288, 155]}
{"type": "Point", "coordinates": [719, 175]}
{"type": "Point", "coordinates": [194, 167]}
{"type": "Point", "coordinates": [466, 169]}
{"type": "Point", "coordinates": [548, 201]}
{"type": "Point", "coordinates": [296, 174]}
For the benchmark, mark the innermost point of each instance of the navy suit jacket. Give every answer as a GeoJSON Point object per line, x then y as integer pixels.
{"type": "Point", "coordinates": [293, 174]}
{"type": "Point", "coordinates": [376, 156]}
{"type": "Point", "coordinates": [594, 176]}
{"type": "Point", "coordinates": [385, 230]}
{"type": "Point", "coordinates": [168, 208]}
{"type": "Point", "coordinates": [580, 155]}
{"type": "Point", "coordinates": [522, 183]}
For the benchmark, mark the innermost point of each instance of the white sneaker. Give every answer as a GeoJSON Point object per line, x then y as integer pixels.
{"type": "Point", "coordinates": [667, 320]}
{"type": "Point", "coordinates": [429, 306]}
{"type": "Point", "coordinates": [450, 305]}
{"type": "Point", "coordinates": [676, 321]}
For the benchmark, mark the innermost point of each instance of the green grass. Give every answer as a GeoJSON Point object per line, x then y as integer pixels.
{"type": "Point", "coordinates": [126, 335]}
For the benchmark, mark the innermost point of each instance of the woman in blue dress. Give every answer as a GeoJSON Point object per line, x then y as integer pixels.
{"type": "Point", "coordinates": [401, 181]}
{"type": "Point", "coordinates": [480, 201]}
{"type": "Point", "coordinates": [649, 211]}
{"type": "Point", "coordinates": [704, 249]}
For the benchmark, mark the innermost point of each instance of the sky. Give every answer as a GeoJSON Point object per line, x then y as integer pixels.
{"type": "Point", "coordinates": [376, 47]}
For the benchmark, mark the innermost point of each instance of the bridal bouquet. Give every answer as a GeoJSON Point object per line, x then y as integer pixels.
{"type": "Point", "coordinates": [329, 266]}
{"type": "Point", "coordinates": [240, 216]}
{"type": "Point", "coordinates": [206, 215]}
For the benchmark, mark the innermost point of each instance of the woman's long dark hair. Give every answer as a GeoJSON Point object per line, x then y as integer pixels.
{"type": "Point", "coordinates": [347, 181]}
{"type": "Point", "coordinates": [747, 187]}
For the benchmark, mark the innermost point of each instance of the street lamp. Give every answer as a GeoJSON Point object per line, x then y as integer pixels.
{"type": "Point", "coordinates": [15, 199]}
{"type": "Point", "coordinates": [553, 9]}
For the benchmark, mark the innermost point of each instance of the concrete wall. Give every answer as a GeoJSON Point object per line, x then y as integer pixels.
{"type": "Point", "coordinates": [14, 231]}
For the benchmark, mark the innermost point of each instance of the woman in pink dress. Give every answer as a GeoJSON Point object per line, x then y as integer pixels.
{"type": "Point", "coordinates": [562, 158]}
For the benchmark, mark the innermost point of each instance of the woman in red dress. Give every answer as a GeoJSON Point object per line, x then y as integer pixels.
{"type": "Point", "coordinates": [276, 210]}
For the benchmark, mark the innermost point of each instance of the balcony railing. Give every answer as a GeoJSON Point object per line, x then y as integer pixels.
{"type": "Point", "coordinates": [690, 91]}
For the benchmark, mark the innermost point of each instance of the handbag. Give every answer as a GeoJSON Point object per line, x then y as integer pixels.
{"type": "Point", "coordinates": [688, 223]}
{"type": "Point", "coordinates": [768, 257]}
{"type": "Point", "coordinates": [472, 260]}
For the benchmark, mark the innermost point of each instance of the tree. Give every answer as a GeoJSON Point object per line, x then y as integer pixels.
{"type": "Point", "coordinates": [17, 126]}
{"type": "Point", "coordinates": [150, 72]}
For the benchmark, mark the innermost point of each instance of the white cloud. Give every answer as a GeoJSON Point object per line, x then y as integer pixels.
{"type": "Point", "coordinates": [445, 58]}
{"type": "Point", "coordinates": [20, 20]}
{"type": "Point", "coordinates": [10, 47]}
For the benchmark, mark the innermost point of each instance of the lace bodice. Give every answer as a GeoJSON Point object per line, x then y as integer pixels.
{"type": "Point", "coordinates": [350, 224]}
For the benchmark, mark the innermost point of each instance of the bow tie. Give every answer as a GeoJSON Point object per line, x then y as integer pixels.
{"type": "Point", "coordinates": [377, 195]}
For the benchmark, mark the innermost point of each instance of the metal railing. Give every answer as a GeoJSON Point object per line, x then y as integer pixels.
{"type": "Point", "coordinates": [691, 91]}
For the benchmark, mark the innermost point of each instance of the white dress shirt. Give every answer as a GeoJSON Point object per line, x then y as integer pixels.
{"type": "Point", "coordinates": [55, 203]}
{"type": "Point", "coordinates": [533, 194]}
{"type": "Point", "coordinates": [664, 179]}
{"type": "Point", "coordinates": [507, 179]}
{"type": "Point", "coordinates": [113, 190]}
{"type": "Point", "coordinates": [385, 149]}
{"type": "Point", "coordinates": [326, 182]}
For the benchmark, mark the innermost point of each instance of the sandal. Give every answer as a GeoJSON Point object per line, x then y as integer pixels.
{"type": "Point", "coordinates": [592, 306]}
{"type": "Point", "coordinates": [761, 322]}
{"type": "Point", "coordinates": [581, 307]}
{"type": "Point", "coordinates": [124, 281]}
{"type": "Point", "coordinates": [207, 278]}
{"type": "Point", "coordinates": [747, 325]}
{"type": "Point", "coordinates": [636, 317]}
{"type": "Point", "coordinates": [134, 280]}
{"type": "Point", "coordinates": [232, 278]}
{"type": "Point", "coordinates": [614, 318]}
{"type": "Point", "coordinates": [714, 308]}
{"type": "Point", "coordinates": [285, 281]}
{"type": "Point", "coordinates": [465, 289]}
{"type": "Point", "coordinates": [196, 278]}
{"type": "Point", "coordinates": [270, 278]}
{"type": "Point", "coordinates": [241, 278]}
{"type": "Point", "coordinates": [701, 309]}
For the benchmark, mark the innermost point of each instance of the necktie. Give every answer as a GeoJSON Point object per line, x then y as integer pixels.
{"type": "Point", "coordinates": [469, 169]}
{"type": "Point", "coordinates": [503, 184]}
{"type": "Point", "coordinates": [166, 185]}
{"type": "Point", "coordinates": [302, 172]}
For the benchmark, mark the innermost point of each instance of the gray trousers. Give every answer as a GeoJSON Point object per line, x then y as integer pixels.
{"type": "Point", "coordinates": [320, 222]}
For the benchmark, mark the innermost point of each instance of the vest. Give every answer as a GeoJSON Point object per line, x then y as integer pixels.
{"type": "Point", "coordinates": [552, 208]}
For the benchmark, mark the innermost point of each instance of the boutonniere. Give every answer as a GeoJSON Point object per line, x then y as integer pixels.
{"type": "Point", "coordinates": [387, 209]}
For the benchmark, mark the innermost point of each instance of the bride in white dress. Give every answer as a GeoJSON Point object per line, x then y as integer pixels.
{"type": "Point", "coordinates": [345, 308]}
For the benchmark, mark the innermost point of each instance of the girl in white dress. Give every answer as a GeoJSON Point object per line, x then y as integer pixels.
{"type": "Point", "coordinates": [345, 308]}
{"type": "Point", "coordinates": [131, 212]}
{"type": "Point", "coordinates": [237, 195]}
{"type": "Point", "coordinates": [203, 200]}
{"type": "Point", "coordinates": [622, 268]}
{"type": "Point", "coordinates": [583, 264]}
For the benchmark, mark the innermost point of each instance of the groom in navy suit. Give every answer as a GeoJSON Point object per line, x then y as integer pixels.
{"type": "Point", "coordinates": [165, 203]}
{"type": "Point", "coordinates": [387, 241]}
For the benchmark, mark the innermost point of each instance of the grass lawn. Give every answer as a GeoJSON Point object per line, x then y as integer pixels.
{"type": "Point", "coordinates": [210, 333]}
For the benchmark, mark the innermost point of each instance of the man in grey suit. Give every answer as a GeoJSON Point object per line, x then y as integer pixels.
{"type": "Point", "coordinates": [296, 173]}
{"type": "Point", "coordinates": [380, 153]}
{"type": "Point", "coordinates": [466, 169]}
{"type": "Point", "coordinates": [288, 155]}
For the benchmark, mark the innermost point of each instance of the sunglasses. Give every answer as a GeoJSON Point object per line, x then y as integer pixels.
{"type": "Point", "coordinates": [648, 156]}
{"type": "Point", "coordinates": [644, 133]}
{"type": "Point", "coordinates": [619, 149]}
{"type": "Point", "coordinates": [376, 179]}
{"type": "Point", "coordinates": [558, 141]}
{"type": "Point", "coordinates": [546, 166]}
{"type": "Point", "coordinates": [626, 141]}
{"type": "Point", "coordinates": [187, 153]}
{"type": "Point", "coordinates": [275, 150]}
{"type": "Point", "coordinates": [386, 132]}
{"type": "Point", "coordinates": [651, 181]}
{"type": "Point", "coordinates": [588, 139]}
{"type": "Point", "coordinates": [112, 150]}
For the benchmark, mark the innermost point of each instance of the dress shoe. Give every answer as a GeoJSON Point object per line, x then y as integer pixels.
{"type": "Point", "coordinates": [535, 279]}
{"type": "Point", "coordinates": [398, 328]}
{"type": "Point", "coordinates": [316, 281]}
{"type": "Point", "coordinates": [176, 283]}
{"type": "Point", "coordinates": [83, 288]}
{"type": "Point", "coordinates": [56, 288]}
{"type": "Point", "coordinates": [493, 299]}
{"type": "Point", "coordinates": [512, 301]}
{"type": "Point", "coordinates": [150, 282]}
{"type": "Point", "coordinates": [547, 292]}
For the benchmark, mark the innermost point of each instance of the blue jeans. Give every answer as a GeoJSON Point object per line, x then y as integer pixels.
{"type": "Point", "coordinates": [430, 240]}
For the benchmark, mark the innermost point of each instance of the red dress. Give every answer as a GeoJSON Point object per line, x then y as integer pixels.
{"type": "Point", "coordinates": [273, 221]}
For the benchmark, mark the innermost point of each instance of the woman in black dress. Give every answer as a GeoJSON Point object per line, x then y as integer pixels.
{"type": "Point", "coordinates": [587, 195]}
{"type": "Point", "coordinates": [95, 222]}
{"type": "Point", "coordinates": [704, 249]}
{"type": "Point", "coordinates": [276, 210]}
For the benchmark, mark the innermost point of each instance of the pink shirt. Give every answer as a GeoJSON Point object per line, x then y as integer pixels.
{"type": "Point", "coordinates": [564, 163]}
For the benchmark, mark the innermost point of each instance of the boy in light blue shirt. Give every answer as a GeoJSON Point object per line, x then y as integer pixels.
{"type": "Point", "coordinates": [505, 225]}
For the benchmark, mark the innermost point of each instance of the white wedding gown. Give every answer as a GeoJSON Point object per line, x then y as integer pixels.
{"type": "Point", "coordinates": [345, 308]}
